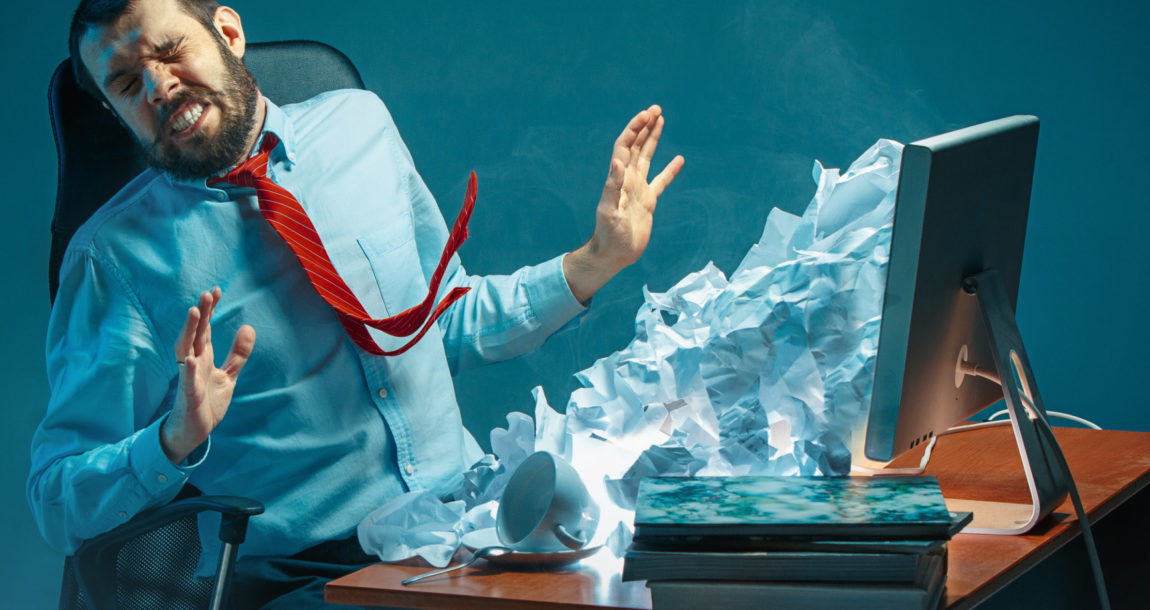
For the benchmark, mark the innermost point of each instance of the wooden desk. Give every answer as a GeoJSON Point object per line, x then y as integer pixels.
{"type": "Point", "coordinates": [1110, 467]}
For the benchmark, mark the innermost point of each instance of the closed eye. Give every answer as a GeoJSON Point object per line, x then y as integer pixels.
{"type": "Point", "coordinates": [128, 86]}
{"type": "Point", "coordinates": [170, 49]}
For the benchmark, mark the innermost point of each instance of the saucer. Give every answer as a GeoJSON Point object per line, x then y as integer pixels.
{"type": "Point", "coordinates": [557, 558]}
{"type": "Point", "coordinates": [487, 537]}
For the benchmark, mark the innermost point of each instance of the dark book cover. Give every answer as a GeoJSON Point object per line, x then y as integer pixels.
{"type": "Point", "coordinates": [697, 510]}
{"type": "Point", "coordinates": [642, 563]}
{"type": "Point", "coordinates": [925, 592]}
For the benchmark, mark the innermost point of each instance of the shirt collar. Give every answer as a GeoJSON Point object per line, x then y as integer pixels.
{"type": "Point", "coordinates": [275, 121]}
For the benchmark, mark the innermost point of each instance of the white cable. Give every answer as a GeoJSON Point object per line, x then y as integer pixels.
{"type": "Point", "coordinates": [1073, 418]}
{"type": "Point", "coordinates": [990, 423]}
{"type": "Point", "coordinates": [974, 371]}
{"type": "Point", "coordinates": [971, 369]}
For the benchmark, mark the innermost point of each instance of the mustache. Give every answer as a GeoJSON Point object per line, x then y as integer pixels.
{"type": "Point", "coordinates": [190, 93]}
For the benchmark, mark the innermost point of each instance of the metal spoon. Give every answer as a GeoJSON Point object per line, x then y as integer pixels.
{"type": "Point", "coordinates": [483, 553]}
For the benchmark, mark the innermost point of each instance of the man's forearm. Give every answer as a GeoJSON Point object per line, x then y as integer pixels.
{"type": "Point", "coordinates": [75, 496]}
{"type": "Point", "coordinates": [587, 271]}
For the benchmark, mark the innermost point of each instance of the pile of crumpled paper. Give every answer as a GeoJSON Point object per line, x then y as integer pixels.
{"type": "Point", "coordinates": [766, 372]}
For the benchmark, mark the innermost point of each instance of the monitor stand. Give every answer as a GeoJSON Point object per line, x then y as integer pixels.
{"type": "Point", "coordinates": [1041, 456]}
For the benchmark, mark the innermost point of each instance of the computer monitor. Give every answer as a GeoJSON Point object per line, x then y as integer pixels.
{"type": "Point", "coordinates": [948, 332]}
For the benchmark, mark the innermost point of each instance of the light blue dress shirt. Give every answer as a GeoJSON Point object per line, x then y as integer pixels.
{"type": "Point", "coordinates": [319, 431]}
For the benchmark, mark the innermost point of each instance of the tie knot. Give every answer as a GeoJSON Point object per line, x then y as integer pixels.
{"type": "Point", "coordinates": [255, 167]}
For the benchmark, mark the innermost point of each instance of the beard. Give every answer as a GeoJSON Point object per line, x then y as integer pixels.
{"type": "Point", "coordinates": [208, 155]}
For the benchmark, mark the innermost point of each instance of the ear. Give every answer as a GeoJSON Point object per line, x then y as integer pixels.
{"type": "Point", "coordinates": [227, 22]}
{"type": "Point", "coordinates": [119, 119]}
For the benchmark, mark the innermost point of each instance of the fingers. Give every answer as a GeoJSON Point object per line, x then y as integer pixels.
{"type": "Point", "coordinates": [631, 161]}
{"type": "Point", "coordinates": [648, 149]}
{"type": "Point", "coordinates": [647, 120]}
{"type": "Point", "coordinates": [196, 336]}
{"type": "Point", "coordinates": [667, 176]}
{"type": "Point", "coordinates": [188, 373]}
{"type": "Point", "coordinates": [636, 158]}
{"type": "Point", "coordinates": [208, 301]}
{"type": "Point", "coordinates": [187, 335]}
{"type": "Point", "coordinates": [633, 134]}
{"type": "Point", "coordinates": [204, 306]}
{"type": "Point", "coordinates": [241, 348]}
{"type": "Point", "coordinates": [615, 175]}
{"type": "Point", "coordinates": [631, 131]}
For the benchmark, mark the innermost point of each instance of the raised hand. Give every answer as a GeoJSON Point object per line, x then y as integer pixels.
{"type": "Point", "coordinates": [624, 215]}
{"type": "Point", "coordinates": [205, 391]}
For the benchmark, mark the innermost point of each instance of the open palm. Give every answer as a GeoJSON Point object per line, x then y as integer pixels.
{"type": "Point", "coordinates": [626, 207]}
{"type": "Point", "coordinates": [205, 391]}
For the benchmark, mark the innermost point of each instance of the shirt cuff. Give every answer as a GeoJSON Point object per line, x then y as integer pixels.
{"type": "Point", "coordinates": [155, 472]}
{"type": "Point", "coordinates": [550, 296]}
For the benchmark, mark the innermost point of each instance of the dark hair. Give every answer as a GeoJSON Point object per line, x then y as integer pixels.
{"type": "Point", "coordinates": [94, 13]}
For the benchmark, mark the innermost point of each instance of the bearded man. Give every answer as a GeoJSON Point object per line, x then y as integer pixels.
{"type": "Point", "coordinates": [330, 418]}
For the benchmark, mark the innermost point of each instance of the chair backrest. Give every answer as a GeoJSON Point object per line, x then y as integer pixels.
{"type": "Point", "coordinates": [97, 156]}
{"type": "Point", "coordinates": [154, 570]}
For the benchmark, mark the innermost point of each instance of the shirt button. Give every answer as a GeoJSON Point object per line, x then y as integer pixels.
{"type": "Point", "coordinates": [382, 393]}
{"type": "Point", "coordinates": [222, 196]}
{"type": "Point", "coordinates": [409, 469]}
{"type": "Point", "coordinates": [291, 156]}
{"type": "Point", "coordinates": [163, 478]}
{"type": "Point", "coordinates": [122, 514]}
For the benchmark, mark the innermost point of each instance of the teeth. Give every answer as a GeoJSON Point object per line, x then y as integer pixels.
{"type": "Point", "coordinates": [188, 118]}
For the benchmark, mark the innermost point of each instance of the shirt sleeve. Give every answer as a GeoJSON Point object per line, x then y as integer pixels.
{"type": "Point", "coordinates": [96, 457]}
{"type": "Point", "coordinates": [501, 316]}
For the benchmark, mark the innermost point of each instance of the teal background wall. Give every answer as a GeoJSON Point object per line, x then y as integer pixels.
{"type": "Point", "coordinates": [531, 96]}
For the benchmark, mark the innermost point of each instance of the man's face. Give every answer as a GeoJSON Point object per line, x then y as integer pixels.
{"type": "Point", "coordinates": [181, 89]}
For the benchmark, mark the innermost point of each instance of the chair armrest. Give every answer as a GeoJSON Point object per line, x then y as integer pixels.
{"type": "Point", "coordinates": [228, 506]}
{"type": "Point", "coordinates": [95, 560]}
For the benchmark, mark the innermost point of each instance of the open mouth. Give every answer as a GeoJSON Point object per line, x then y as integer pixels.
{"type": "Point", "coordinates": [188, 119]}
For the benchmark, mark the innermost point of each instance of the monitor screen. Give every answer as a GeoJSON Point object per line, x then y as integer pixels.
{"type": "Point", "coordinates": [961, 209]}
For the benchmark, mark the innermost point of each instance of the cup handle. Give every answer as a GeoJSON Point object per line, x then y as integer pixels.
{"type": "Point", "coordinates": [568, 539]}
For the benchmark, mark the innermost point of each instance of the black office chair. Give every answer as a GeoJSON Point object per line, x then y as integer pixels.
{"type": "Point", "coordinates": [149, 561]}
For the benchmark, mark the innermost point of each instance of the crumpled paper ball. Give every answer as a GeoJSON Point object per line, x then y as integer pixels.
{"type": "Point", "coordinates": [419, 524]}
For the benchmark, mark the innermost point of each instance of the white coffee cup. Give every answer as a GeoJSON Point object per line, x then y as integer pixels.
{"type": "Point", "coordinates": [546, 507]}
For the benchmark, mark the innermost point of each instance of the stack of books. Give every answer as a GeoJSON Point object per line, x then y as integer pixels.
{"type": "Point", "coordinates": [791, 542]}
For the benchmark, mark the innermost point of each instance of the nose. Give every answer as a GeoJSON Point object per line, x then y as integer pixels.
{"type": "Point", "coordinates": [159, 82]}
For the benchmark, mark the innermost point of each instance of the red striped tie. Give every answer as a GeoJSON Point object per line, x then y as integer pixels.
{"type": "Point", "coordinates": [288, 218]}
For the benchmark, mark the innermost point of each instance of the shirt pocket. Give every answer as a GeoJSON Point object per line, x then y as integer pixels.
{"type": "Point", "coordinates": [397, 270]}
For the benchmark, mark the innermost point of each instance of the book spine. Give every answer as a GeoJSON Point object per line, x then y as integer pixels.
{"type": "Point", "coordinates": [699, 595]}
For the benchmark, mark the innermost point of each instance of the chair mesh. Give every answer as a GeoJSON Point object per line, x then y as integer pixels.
{"type": "Point", "coordinates": [153, 571]}
{"type": "Point", "coordinates": [156, 570]}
